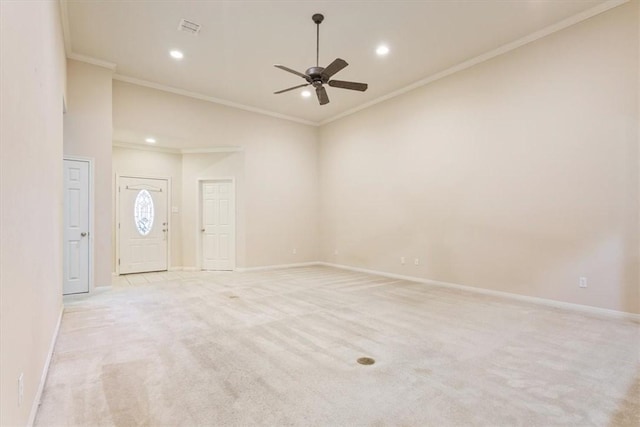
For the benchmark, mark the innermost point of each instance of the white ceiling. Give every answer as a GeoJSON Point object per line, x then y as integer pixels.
{"type": "Point", "coordinates": [232, 58]}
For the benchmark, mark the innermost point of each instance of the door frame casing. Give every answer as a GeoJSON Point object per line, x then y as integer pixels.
{"type": "Point", "coordinates": [198, 225]}
{"type": "Point", "coordinates": [90, 186]}
{"type": "Point", "coordinates": [117, 214]}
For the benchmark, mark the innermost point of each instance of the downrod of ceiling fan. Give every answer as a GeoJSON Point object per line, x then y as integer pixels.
{"type": "Point", "coordinates": [318, 18]}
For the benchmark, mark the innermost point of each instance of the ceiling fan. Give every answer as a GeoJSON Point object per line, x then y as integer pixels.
{"type": "Point", "coordinates": [318, 76]}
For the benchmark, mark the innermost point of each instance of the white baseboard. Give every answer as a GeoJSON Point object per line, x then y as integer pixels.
{"type": "Point", "coordinates": [45, 371]}
{"type": "Point", "coordinates": [276, 266]}
{"type": "Point", "coordinates": [172, 268]}
{"type": "Point", "coordinates": [535, 300]}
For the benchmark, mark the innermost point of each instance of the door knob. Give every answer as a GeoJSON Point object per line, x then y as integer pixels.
{"type": "Point", "coordinates": [83, 234]}
{"type": "Point", "coordinates": [202, 230]}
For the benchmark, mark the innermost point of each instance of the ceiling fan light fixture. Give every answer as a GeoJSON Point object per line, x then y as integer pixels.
{"type": "Point", "coordinates": [305, 94]}
{"type": "Point", "coordinates": [150, 140]}
{"type": "Point", "coordinates": [382, 50]}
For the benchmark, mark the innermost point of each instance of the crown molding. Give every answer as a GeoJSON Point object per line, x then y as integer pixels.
{"type": "Point", "coordinates": [66, 36]}
{"type": "Point", "coordinates": [170, 150]}
{"type": "Point", "coordinates": [93, 61]}
{"type": "Point", "coordinates": [603, 7]}
{"type": "Point", "coordinates": [66, 33]}
{"type": "Point", "coordinates": [207, 98]}
{"type": "Point", "coordinates": [145, 147]}
{"type": "Point", "coordinates": [208, 150]}
{"type": "Point", "coordinates": [596, 10]}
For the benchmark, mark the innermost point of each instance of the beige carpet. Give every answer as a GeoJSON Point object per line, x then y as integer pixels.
{"type": "Point", "coordinates": [280, 347]}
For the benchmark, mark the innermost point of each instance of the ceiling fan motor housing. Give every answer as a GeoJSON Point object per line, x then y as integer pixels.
{"type": "Point", "coordinates": [315, 75]}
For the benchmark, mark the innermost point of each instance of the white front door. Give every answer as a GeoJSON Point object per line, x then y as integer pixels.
{"type": "Point", "coordinates": [142, 224]}
{"type": "Point", "coordinates": [76, 227]}
{"type": "Point", "coordinates": [218, 225]}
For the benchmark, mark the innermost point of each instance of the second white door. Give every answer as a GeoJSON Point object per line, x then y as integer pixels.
{"type": "Point", "coordinates": [76, 227]}
{"type": "Point", "coordinates": [143, 226]}
{"type": "Point", "coordinates": [218, 225]}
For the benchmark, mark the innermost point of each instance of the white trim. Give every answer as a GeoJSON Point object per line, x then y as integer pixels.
{"type": "Point", "coordinates": [198, 224]}
{"type": "Point", "coordinates": [145, 147]}
{"type": "Point", "coordinates": [603, 7]}
{"type": "Point", "coordinates": [117, 216]}
{"type": "Point", "coordinates": [93, 61]}
{"type": "Point", "coordinates": [219, 149]}
{"type": "Point", "coordinates": [207, 98]}
{"type": "Point", "coordinates": [171, 150]}
{"type": "Point", "coordinates": [534, 300]}
{"type": "Point", "coordinates": [524, 298]}
{"type": "Point", "coordinates": [180, 268]}
{"type": "Point", "coordinates": [279, 266]}
{"type": "Point", "coordinates": [92, 210]}
{"type": "Point", "coordinates": [45, 371]}
{"type": "Point", "coordinates": [98, 290]}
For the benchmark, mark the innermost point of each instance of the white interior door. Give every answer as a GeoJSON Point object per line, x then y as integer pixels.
{"type": "Point", "coordinates": [218, 225]}
{"type": "Point", "coordinates": [76, 227]}
{"type": "Point", "coordinates": [142, 224]}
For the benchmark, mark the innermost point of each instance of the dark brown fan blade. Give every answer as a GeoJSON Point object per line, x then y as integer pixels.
{"type": "Point", "coordinates": [282, 67]}
{"type": "Point", "coordinates": [348, 85]}
{"type": "Point", "coordinates": [334, 67]}
{"type": "Point", "coordinates": [291, 88]}
{"type": "Point", "coordinates": [322, 95]}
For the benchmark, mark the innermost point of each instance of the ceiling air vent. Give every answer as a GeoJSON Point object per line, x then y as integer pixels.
{"type": "Point", "coordinates": [189, 27]}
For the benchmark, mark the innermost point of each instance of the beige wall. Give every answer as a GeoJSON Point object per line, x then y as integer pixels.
{"type": "Point", "coordinates": [519, 174]}
{"type": "Point", "coordinates": [276, 171]}
{"type": "Point", "coordinates": [88, 133]}
{"type": "Point", "coordinates": [143, 163]}
{"type": "Point", "coordinates": [32, 86]}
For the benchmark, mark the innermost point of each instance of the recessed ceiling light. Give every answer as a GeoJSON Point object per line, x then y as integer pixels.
{"type": "Point", "coordinates": [176, 54]}
{"type": "Point", "coordinates": [150, 140]}
{"type": "Point", "coordinates": [305, 94]}
{"type": "Point", "coordinates": [382, 50]}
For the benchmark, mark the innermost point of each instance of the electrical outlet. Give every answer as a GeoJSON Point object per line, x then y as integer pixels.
{"type": "Point", "coordinates": [295, 251]}
{"type": "Point", "coordinates": [20, 388]}
{"type": "Point", "coordinates": [582, 282]}
{"type": "Point", "coordinates": [402, 261]}
{"type": "Point", "coordinates": [416, 261]}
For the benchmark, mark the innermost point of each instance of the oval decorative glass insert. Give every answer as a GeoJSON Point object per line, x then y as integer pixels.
{"type": "Point", "coordinates": [143, 212]}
